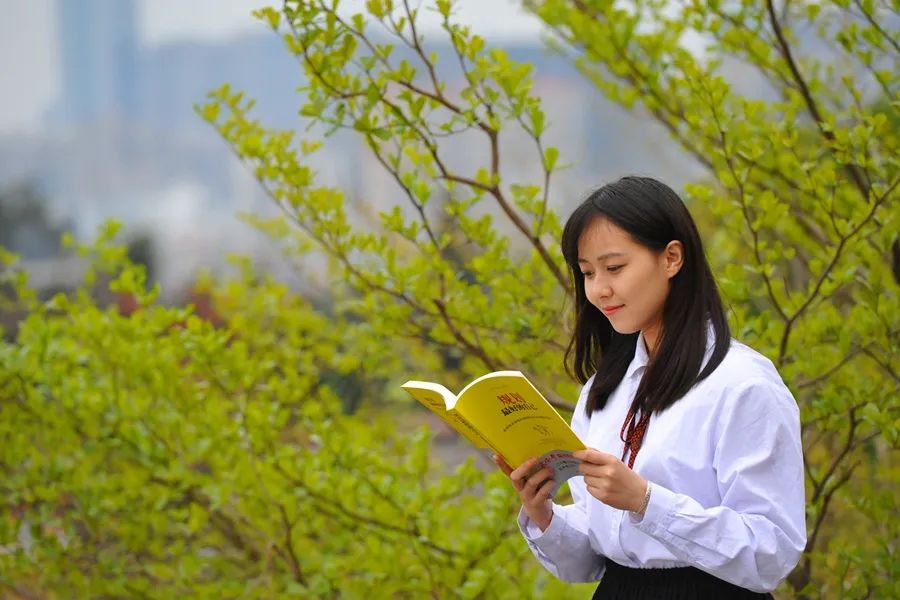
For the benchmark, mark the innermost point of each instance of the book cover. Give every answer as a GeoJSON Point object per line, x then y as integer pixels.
{"type": "Point", "coordinates": [505, 412]}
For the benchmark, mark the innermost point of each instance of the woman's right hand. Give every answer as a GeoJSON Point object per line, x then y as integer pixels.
{"type": "Point", "coordinates": [534, 491]}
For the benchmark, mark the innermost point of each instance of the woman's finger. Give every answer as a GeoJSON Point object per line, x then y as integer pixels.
{"type": "Point", "coordinates": [543, 493]}
{"type": "Point", "coordinates": [502, 464]}
{"type": "Point", "coordinates": [520, 475]}
{"type": "Point", "coordinates": [538, 479]}
{"type": "Point", "coordinates": [595, 470]}
{"type": "Point", "coordinates": [595, 457]}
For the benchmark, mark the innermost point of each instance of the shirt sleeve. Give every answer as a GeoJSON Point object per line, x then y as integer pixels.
{"type": "Point", "coordinates": [564, 548]}
{"type": "Point", "coordinates": [755, 537]}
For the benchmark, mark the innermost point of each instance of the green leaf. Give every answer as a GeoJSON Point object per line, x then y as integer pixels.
{"type": "Point", "coordinates": [551, 155]}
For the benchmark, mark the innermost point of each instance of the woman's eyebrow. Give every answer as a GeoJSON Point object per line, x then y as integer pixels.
{"type": "Point", "coordinates": [604, 256]}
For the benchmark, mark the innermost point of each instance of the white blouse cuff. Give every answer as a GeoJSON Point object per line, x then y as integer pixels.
{"type": "Point", "coordinates": [663, 504]}
{"type": "Point", "coordinates": [533, 533]}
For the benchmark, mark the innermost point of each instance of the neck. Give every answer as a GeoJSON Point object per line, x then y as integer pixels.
{"type": "Point", "coordinates": [651, 339]}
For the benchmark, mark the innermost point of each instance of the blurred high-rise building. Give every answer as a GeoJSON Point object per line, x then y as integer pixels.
{"type": "Point", "coordinates": [99, 46]}
{"type": "Point", "coordinates": [123, 139]}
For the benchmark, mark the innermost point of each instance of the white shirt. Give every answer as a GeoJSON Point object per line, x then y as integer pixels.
{"type": "Point", "coordinates": [725, 464]}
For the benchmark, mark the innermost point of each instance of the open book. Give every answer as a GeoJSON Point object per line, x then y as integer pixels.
{"type": "Point", "coordinates": [503, 411]}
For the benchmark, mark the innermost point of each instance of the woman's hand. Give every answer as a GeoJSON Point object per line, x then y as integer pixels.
{"type": "Point", "coordinates": [610, 481]}
{"type": "Point", "coordinates": [534, 490]}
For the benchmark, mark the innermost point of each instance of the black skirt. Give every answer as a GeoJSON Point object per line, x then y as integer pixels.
{"type": "Point", "coordinates": [682, 583]}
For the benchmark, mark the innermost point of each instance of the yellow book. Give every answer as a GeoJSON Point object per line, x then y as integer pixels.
{"type": "Point", "coordinates": [503, 411]}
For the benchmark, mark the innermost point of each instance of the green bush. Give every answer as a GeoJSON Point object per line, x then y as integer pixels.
{"type": "Point", "coordinates": [155, 455]}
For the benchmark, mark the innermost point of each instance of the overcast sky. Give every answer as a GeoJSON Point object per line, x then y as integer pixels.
{"type": "Point", "coordinates": [29, 68]}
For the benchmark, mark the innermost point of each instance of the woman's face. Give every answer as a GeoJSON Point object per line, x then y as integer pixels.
{"type": "Point", "coordinates": [625, 280]}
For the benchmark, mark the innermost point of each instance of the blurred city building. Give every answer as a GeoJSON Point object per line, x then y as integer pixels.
{"type": "Point", "coordinates": [99, 56]}
{"type": "Point", "coordinates": [122, 139]}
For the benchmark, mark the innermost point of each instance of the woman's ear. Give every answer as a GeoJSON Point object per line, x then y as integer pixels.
{"type": "Point", "coordinates": [673, 255]}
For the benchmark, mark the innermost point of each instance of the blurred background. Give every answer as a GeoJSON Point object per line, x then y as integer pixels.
{"type": "Point", "coordinates": [97, 122]}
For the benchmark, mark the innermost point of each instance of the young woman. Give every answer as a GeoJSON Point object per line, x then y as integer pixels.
{"type": "Point", "coordinates": [693, 478]}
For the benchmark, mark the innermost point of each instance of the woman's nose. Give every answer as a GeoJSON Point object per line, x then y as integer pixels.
{"type": "Point", "coordinates": [599, 290]}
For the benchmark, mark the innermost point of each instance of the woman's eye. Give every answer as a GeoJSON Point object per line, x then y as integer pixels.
{"type": "Point", "coordinates": [614, 268]}
{"type": "Point", "coordinates": [587, 274]}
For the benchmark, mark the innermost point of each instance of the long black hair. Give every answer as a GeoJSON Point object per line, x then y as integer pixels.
{"type": "Point", "coordinates": [654, 215]}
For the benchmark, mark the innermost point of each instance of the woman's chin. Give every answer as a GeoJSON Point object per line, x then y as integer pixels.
{"type": "Point", "coordinates": [623, 328]}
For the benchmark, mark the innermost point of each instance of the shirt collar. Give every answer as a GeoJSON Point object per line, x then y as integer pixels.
{"type": "Point", "coordinates": [641, 358]}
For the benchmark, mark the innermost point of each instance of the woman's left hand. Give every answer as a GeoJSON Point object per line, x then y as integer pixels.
{"type": "Point", "coordinates": [610, 481]}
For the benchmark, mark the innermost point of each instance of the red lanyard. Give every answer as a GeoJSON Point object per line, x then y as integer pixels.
{"type": "Point", "coordinates": [635, 434]}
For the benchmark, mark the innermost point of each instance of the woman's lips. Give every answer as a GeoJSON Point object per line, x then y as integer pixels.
{"type": "Point", "coordinates": [611, 310]}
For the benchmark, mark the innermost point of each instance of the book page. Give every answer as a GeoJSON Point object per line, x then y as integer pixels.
{"type": "Point", "coordinates": [563, 464]}
{"type": "Point", "coordinates": [436, 397]}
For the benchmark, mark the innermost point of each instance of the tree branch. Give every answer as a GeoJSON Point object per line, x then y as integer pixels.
{"type": "Point", "coordinates": [289, 546]}
{"type": "Point", "coordinates": [852, 170]}
{"type": "Point", "coordinates": [831, 371]}
{"type": "Point", "coordinates": [827, 271]}
{"type": "Point", "coordinates": [493, 136]}
{"type": "Point", "coordinates": [875, 25]}
{"type": "Point", "coordinates": [326, 505]}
